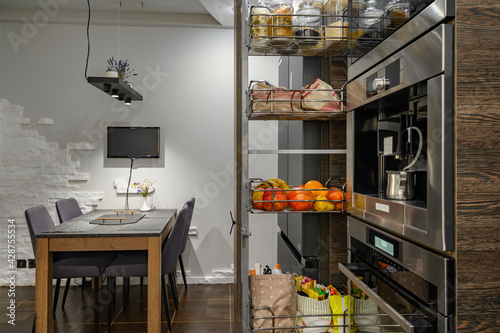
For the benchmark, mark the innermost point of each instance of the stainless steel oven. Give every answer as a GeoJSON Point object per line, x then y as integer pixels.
{"type": "Point", "coordinates": [400, 138]}
{"type": "Point", "coordinates": [397, 286]}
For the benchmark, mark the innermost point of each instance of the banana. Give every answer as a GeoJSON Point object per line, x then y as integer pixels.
{"type": "Point", "coordinates": [281, 183]}
{"type": "Point", "coordinates": [266, 184]}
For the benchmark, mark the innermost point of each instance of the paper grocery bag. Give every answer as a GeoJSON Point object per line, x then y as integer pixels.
{"type": "Point", "coordinates": [267, 98]}
{"type": "Point", "coordinates": [276, 293]}
{"type": "Point", "coordinates": [320, 96]}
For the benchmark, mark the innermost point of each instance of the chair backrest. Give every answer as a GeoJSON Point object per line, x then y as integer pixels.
{"type": "Point", "coordinates": [39, 220]}
{"type": "Point", "coordinates": [67, 209]}
{"type": "Point", "coordinates": [190, 204]}
{"type": "Point", "coordinates": [172, 245]}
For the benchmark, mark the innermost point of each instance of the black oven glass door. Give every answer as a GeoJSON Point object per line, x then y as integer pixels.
{"type": "Point", "coordinates": [378, 306]}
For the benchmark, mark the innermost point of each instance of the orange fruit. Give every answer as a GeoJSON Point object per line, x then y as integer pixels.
{"type": "Point", "coordinates": [325, 192]}
{"type": "Point", "coordinates": [335, 195]}
{"type": "Point", "coordinates": [313, 185]}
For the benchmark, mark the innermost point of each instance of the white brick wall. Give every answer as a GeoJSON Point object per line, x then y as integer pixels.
{"type": "Point", "coordinates": [32, 172]}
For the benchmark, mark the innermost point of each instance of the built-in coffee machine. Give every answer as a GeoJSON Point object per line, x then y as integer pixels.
{"type": "Point", "coordinates": [400, 141]}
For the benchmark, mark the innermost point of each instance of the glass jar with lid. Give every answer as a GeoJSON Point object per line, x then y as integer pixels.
{"type": "Point", "coordinates": [281, 21]}
{"type": "Point", "coordinates": [354, 13]}
{"type": "Point", "coordinates": [370, 20]}
{"type": "Point", "coordinates": [396, 13]}
{"type": "Point", "coordinates": [319, 4]}
{"type": "Point", "coordinates": [260, 16]}
{"type": "Point", "coordinates": [335, 21]}
{"type": "Point", "coordinates": [307, 24]}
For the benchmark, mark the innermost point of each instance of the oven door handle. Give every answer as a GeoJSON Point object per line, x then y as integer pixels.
{"type": "Point", "coordinates": [396, 316]}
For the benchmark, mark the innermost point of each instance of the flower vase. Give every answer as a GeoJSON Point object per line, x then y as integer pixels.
{"type": "Point", "coordinates": [111, 72]}
{"type": "Point", "coordinates": [145, 207]}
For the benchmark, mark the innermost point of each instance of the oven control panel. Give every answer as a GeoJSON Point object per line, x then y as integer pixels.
{"type": "Point", "coordinates": [384, 79]}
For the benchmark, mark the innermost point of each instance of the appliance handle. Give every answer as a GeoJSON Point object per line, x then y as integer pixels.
{"type": "Point", "coordinates": [396, 316]}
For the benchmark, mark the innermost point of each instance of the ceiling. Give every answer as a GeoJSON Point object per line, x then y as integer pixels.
{"type": "Point", "coordinates": [164, 6]}
{"type": "Point", "coordinates": [221, 10]}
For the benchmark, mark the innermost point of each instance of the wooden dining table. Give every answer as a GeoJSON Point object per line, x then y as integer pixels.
{"type": "Point", "coordinates": [82, 234]}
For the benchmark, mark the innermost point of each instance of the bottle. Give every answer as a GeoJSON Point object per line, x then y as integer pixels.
{"type": "Point", "coordinates": [259, 18]}
{"type": "Point", "coordinates": [277, 270]}
{"type": "Point", "coordinates": [308, 22]}
{"type": "Point", "coordinates": [396, 13]}
{"type": "Point", "coordinates": [370, 20]}
{"type": "Point", "coordinates": [281, 21]}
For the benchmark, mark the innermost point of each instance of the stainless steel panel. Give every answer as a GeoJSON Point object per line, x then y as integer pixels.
{"type": "Point", "coordinates": [386, 213]}
{"type": "Point", "coordinates": [438, 232]}
{"type": "Point", "coordinates": [416, 219]}
{"type": "Point", "coordinates": [428, 265]}
{"type": "Point", "coordinates": [358, 205]}
{"type": "Point", "coordinates": [423, 59]}
{"type": "Point", "coordinates": [432, 223]}
{"type": "Point", "coordinates": [437, 12]}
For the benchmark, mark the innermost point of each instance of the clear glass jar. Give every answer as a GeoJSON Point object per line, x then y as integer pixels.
{"type": "Point", "coordinates": [260, 16]}
{"type": "Point", "coordinates": [371, 20]}
{"type": "Point", "coordinates": [281, 23]}
{"type": "Point", "coordinates": [334, 10]}
{"type": "Point", "coordinates": [354, 13]}
{"type": "Point", "coordinates": [396, 13]}
{"type": "Point", "coordinates": [319, 4]}
{"type": "Point", "coordinates": [335, 21]}
{"type": "Point", "coordinates": [308, 24]}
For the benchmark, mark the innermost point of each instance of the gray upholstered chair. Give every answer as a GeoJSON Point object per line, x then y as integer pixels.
{"type": "Point", "coordinates": [137, 266]}
{"type": "Point", "coordinates": [190, 204]}
{"type": "Point", "coordinates": [66, 210]}
{"type": "Point", "coordinates": [39, 220]}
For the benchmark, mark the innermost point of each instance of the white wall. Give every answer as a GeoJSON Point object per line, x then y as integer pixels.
{"type": "Point", "coordinates": [191, 100]}
{"type": "Point", "coordinates": [187, 78]}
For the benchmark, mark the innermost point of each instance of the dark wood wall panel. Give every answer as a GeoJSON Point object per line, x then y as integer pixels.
{"type": "Point", "coordinates": [338, 223]}
{"type": "Point", "coordinates": [477, 126]}
{"type": "Point", "coordinates": [477, 324]}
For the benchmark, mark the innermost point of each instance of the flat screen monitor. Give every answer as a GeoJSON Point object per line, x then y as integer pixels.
{"type": "Point", "coordinates": [133, 142]}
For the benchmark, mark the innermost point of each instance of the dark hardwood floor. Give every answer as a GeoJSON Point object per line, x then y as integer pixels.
{"type": "Point", "coordinates": [202, 308]}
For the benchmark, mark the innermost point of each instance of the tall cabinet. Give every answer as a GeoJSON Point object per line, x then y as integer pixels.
{"type": "Point", "coordinates": [294, 159]}
{"type": "Point", "coordinates": [476, 167]}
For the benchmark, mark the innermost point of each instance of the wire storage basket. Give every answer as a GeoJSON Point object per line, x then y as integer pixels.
{"type": "Point", "coordinates": [266, 197]}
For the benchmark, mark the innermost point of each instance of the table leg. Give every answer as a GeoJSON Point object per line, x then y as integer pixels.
{"type": "Point", "coordinates": [154, 284]}
{"type": "Point", "coordinates": [43, 290]}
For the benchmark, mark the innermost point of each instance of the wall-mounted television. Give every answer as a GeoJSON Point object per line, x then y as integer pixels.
{"type": "Point", "coordinates": [133, 142]}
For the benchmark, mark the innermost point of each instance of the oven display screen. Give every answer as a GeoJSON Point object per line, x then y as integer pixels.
{"type": "Point", "coordinates": [384, 245]}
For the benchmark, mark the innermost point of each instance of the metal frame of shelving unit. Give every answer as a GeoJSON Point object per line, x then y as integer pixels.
{"type": "Point", "coordinates": [243, 49]}
{"type": "Point", "coordinates": [241, 251]}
